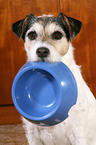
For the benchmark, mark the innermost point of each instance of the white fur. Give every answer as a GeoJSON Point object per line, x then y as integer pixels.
{"type": "Point", "coordinates": [80, 127]}
{"type": "Point", "coordinates": [44, 15]}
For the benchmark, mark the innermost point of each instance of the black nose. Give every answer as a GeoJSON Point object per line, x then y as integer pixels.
{"type": "Point", "coordinates": [42, 52]}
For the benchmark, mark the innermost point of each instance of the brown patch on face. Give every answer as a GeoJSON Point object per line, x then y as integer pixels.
{"type": "Point", "coordinates": [61, 46]}
{"type": "Point", "coordinates": [44, 36]}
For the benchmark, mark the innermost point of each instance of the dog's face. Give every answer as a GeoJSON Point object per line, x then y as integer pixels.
{"type": "Point", "coordinates": [47, 38]}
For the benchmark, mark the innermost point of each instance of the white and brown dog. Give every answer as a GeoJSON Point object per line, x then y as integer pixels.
{"type": "Point", "coordinates": [48, 38]}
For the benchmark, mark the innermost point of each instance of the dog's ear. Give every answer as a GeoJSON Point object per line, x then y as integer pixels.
{"type": "Point", "coordinates": [17, 27]}
{"type": "Point", "coordinates": [73, 24]}
{"type": "Point", "coordinates": [20, 26]}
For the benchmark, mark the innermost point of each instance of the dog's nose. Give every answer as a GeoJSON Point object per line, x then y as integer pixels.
{"type": "Point", "coordinates": [42, 52]}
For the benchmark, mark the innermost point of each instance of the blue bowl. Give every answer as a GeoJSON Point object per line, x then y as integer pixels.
{"type": "Point", "coordinates": [44, 92]}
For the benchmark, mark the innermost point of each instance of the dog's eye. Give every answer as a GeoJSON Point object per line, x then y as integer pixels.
{"type": "Point", "coordinates": [32, 35]}
{"type": "Point", "coordinates": [57, 35]}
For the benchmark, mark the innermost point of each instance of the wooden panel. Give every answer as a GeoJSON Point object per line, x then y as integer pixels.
{"type": "Point", "coordinates": [84, 43]}
{"type": "Point", "coordinates": [12, 54]}
{"type": "Point", "coordinates": [9, 115]}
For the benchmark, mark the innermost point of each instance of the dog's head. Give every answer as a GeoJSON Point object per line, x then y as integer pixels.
{"type": "Point", "coordinates": [46, 38]}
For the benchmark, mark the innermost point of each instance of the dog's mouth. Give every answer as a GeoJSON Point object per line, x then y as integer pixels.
{"type": "Point", "coordinates": [43, 59]}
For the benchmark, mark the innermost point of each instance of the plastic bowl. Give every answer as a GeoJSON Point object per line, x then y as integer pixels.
{"type": "Point", "coordinates": [44, 92]}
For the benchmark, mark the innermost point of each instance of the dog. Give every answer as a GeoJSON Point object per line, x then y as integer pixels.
{"type": "Point", "coordinates": [48, 38]}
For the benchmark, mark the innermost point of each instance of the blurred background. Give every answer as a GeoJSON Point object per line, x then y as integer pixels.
{"type": "Point", "coordinates": [13, 56]}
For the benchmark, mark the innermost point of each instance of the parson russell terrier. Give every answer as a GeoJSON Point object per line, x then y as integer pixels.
{"type": "Point", "coordinates": [47, 38]}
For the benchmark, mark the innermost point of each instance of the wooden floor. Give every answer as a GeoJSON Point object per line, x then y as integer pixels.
{"type": "Point", "coordinates": [12, 135]}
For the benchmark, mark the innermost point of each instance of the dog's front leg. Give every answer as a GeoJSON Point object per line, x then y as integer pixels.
{"type": "Point", "coordinates": [32, 133]}
{"type": "Point", "coordinates": [77, 127]}
{"type": "Point", "coordinates": [79, 135]}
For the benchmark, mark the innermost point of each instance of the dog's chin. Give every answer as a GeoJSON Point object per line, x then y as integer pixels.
{"type": "Point", "coordinates": [47, 60]}
{"type": "Point", "coordinates": [44, 60]}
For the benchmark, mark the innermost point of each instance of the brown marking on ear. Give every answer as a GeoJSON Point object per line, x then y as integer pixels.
{"type": "Point", "coordinates": [66, 19]}
{"type": "Point", "coordinates": [73, 25]}
{"type": "Point", "coordinates": [20, 27]}
{"type": "Point", "coordinates": [23, 26]}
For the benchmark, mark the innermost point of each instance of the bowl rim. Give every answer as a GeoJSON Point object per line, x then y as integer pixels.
{"type": "Point", "coordinates": [19, 74]}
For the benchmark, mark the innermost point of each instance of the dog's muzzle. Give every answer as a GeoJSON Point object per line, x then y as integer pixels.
{"type": "Point", "coordinates": [42, 52]}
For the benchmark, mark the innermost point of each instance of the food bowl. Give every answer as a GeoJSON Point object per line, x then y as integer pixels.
{"type": "Point", "coordinates": [44, 92]}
